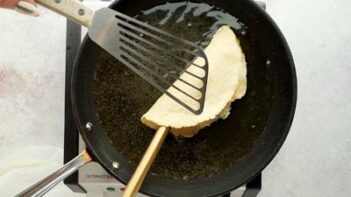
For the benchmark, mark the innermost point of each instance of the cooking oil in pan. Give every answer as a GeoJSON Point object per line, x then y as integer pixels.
{"type": "Point", "coordinates": [122, 97]}
{"type": "Point", "coordinates": [196, 22]}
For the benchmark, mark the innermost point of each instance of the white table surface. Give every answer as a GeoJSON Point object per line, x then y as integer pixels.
{"type": "Point", "coordinates": [315, 159]}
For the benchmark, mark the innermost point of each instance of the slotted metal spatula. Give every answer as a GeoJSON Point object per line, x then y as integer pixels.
{"type": "Point", "coordinates": [155, 55]}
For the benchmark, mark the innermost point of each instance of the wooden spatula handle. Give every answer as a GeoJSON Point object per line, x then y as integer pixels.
{"type": "Point", "coordinates": [72, 9]}
{"type": "Point", "coordinates": [140, 173]}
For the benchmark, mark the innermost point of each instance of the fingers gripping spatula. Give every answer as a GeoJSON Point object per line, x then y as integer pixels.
{"type": "Point", "coordinates": [155, 55]}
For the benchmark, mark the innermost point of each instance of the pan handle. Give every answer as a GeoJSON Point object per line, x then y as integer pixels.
{"type": "Point", "coordinates": [46, 184]}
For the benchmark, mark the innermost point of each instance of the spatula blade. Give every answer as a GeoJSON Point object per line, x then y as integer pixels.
{"type": "Point", "coordinates": [147, 51]}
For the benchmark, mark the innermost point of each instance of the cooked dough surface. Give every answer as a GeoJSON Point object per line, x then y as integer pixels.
{"type": "Point", "coordinates": [226, 83]}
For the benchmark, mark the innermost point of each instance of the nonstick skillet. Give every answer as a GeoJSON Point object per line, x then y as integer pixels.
{"type": "Point", "coordinates": [221, 157]}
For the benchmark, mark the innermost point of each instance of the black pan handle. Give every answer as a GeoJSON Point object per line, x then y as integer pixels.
{"type": "Point", "coordinates": [46, 184]}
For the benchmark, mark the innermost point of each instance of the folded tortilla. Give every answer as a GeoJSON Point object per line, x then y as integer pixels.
{"type": "Point", "coordinates": [226, 83]}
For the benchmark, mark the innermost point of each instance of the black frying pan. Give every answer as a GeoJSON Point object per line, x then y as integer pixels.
{"type": "Point", "coordinates": [221, 157]}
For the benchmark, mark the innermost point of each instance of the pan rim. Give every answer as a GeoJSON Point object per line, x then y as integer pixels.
{"type": "Point", "coordinates": [289, 118]}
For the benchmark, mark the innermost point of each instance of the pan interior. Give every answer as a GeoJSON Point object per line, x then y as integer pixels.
{"type": "Point", "coordinates": [122, 97]}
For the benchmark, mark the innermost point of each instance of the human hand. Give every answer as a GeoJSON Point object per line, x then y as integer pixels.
{"type": "Point", "coordinates": [11, 4]}
{"type": "Point", "coordinates": [28, 7]}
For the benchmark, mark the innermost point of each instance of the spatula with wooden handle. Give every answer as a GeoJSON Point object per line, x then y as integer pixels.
{"type": "Point", "coordinates": [155, 55]}
{"type": "Point", "coordinates": [148, 158]}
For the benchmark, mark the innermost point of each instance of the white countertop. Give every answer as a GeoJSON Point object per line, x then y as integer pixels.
{"type": "Point", "coordinates": [315, 160]}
